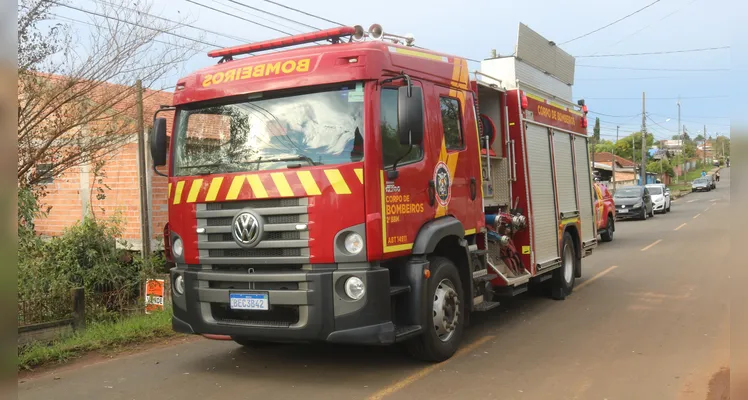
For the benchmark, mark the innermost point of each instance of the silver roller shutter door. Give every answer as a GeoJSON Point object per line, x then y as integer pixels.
{"type": "Point", "coordinates": [584, 180]}
{"type": "Point", "coordinates": [541, 191]}
{"type": "Point", "coordinates": [562, 153]}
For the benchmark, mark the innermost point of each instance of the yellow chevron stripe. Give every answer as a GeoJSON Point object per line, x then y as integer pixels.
{"type": "Point", "coordinates": [337, 181]}
{"type": "Point", "coordinates": [282, 184]}
{"type": "Point", "coordinates": [215, 186]}
{"type": "Point", "coordinates": [194, 190]}
{"type": "Point", "coordinates": [169, 194]}
{"type": "Point", "coordinates": [236, 187]}
{"type": "Point", "coordinates": [178, 194]}
{"type": "Point", "coordinates": [420, 54]}
{"type": "Point", "coordinates": [310, 186]}
{"type": "Point", "coordinates": [470, 232]}
{"type": "Point", "coordinates": [360, 174]}
{"type": "Point", "coordinates": [257, 188]}
{"type": "Point", "coordinates": [452, 165]}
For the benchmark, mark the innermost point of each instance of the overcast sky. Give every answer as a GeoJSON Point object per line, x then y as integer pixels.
{"type": "Point", "coordinates": [472, 28]}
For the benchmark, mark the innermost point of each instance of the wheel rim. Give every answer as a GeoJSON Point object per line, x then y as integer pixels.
{"type": "Point", "coordinates": [446, 310]}
{"type": "Point", "coordinates": [568, 263]}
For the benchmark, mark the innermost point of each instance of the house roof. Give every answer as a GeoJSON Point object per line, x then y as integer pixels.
{"type": "Point", "coordinates": [609, 157]}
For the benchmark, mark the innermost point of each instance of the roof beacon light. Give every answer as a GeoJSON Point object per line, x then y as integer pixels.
{"type": "Point", "coordinates": [523, 99]}
{"type": "Point", "coordinates": [332, 34]}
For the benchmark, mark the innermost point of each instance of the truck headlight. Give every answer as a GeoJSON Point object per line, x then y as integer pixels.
{"type": "Point", "coordinates": [178, 247]}
{"type": "Point", "coordinates": [354, 288]}
{"type": "Point", "coordinates": [353, 243]}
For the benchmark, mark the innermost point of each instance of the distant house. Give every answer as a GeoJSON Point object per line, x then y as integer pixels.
{"type": "Point", "coordinates": [625, 173]}
{"type": "Point", "coordinates": [115, 188]}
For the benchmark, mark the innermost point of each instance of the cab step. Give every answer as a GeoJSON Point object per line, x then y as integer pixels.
{"type": "Point", "coordinates": [406, 331]}
{"type": "Point", "coordinates": [486, 305]}
{"type": "Point", "coordinates": [486, 278]}
{"type": "Point", "coordinates": [395, 290]}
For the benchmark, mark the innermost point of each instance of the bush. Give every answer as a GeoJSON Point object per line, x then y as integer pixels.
{"type": "Point", "coordinates": [85, 255]}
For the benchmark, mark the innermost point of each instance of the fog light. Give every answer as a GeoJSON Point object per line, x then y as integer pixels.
{"type": "Point", "coordinates": [354, 243]}
{"type": "Point", "coordinates": [354, 288]}
{"type": "Point", "coordinates": [178, 247]}
{"type": "Point", "coordinates": [179, 285]}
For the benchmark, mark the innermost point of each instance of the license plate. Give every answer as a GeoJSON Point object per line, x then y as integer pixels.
{"type": "Point", "coordinates": [623, 211]}
{"type": "Point", "coordinates": [248, 301]}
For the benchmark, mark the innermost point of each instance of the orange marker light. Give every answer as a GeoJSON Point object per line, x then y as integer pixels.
{"type": "Point", "coordinates": [427, 273]}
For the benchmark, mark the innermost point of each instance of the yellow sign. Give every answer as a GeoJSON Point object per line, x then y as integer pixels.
{"type": "Point", "coordinates": [257, 71]}
{"type": "Point", "coordinates": [525, 249]}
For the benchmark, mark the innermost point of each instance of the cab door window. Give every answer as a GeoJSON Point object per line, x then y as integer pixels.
{"type": "Point", "coordinates": [392, 150]}
{"type": "Point", "coordinates": [453, 137]}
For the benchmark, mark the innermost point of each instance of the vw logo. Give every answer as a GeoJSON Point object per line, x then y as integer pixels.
{"type": "Point", "coordinates": [247, 229]}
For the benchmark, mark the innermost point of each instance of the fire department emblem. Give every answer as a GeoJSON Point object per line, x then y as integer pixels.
{"type": "Point", "coordinates": [443, 183]}
{"type": "Point", "coordinates": [247, 229]}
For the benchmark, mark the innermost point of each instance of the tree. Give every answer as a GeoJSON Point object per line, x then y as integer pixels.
{"type": "Point", "coordinates": [604, 146]}
{"type": "Point", "coordinates": [665, 166]}
{"type": "Point", "coordinates": [596, 130]}
{"type": "Point", "coordinates": [76, 94]}
{"type": "Point", "coordinates": [699, 138]}
{"type": "Point", "coordinates": [624, 146]}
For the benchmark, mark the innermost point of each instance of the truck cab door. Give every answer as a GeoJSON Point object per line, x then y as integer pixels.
{"type": "Point", "coordinates": [405, 198]}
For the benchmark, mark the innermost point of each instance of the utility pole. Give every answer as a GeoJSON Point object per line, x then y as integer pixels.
{"type": "Point", "coordinates": [644, 141]}
{"type": "Point", "coordinates": [704, 147]}
{"type": "Point", "coordinates": [614, 161]}
{"type": "Point", "coordinates": [682, 145]}
{"type": "Point", "coordinates": [145, 227]}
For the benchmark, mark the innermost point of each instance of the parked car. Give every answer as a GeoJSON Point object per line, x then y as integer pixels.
{"type": "Point", "coordinates": [712, 181]}
{"type": "Point", "coordinates": [633, 202]}
{"type": "Point", "coordinates": [660, 197]}
{"type": "Point", "coordinates": [605, 213]}
{"type": "Point", "coordinates": [701, 185]}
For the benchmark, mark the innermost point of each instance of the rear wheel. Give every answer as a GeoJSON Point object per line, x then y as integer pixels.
{"type": "Point", "coordinates": [445, 318]}
{"type": "Point", "coordinates": [562, 282]}
{"type": "Point", "coordinates": [607, 234]}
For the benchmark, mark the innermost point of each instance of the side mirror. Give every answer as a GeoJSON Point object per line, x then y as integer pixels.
{"type": "Point", "coordinates": [158, 142]}
{"type": "Point", "coordinates": [410, 118]}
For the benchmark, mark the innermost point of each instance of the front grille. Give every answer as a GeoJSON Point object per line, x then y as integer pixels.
{"type": "Point", "coordinates": [277, 316]}
{"type": "Point", "coordinates": [255, 253]}
{"type": "Point", "coordinates": [282, 245]}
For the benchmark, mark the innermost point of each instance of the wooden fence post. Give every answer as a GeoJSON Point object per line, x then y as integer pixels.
{"type": "Point", "coordinates": [79, 309]}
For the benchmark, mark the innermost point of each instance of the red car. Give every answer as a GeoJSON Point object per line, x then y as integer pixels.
{"type": "Point", "coordinates": [605, 212]}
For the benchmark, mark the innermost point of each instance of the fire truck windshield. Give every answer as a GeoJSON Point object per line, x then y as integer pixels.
{"type": "Point", "coordinates": [312, 127]}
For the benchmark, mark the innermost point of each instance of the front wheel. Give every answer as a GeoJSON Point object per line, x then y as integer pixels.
{"type": "Point", "coordinates": [607, 234]}
{"type": "Point", "coordinates": [445, 318]}
{"type": "Point", "coordinates": [562, 282]}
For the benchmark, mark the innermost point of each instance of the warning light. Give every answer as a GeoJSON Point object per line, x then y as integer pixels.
{"type": "Point", "coordinates": [523, 99]}
{"type": "Point", "coordinates": [332, 34]}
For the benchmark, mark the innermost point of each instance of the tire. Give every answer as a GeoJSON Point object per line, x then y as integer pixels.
{"type": "Point", "coordinates": [438, 343]}
{"type": "Point", "coordinates": [252, 344]}
{"type": "Point", "coordinates": [607, 234]}
{"type": "Point", "coordinates": [645, 215]}
{"type": "Point", "coordinates": [562, 282]}
{"type": "Point", "coordinates": [667, 210]}
{"type": "Point", "coordinates": [652, 215]}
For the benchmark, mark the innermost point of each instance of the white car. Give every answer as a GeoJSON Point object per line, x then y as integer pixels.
{"type": "Point", "coordinates": [660, 197]}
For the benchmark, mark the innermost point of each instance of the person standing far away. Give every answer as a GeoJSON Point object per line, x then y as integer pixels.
{"type": "Point", "coordinates": [703, 173]}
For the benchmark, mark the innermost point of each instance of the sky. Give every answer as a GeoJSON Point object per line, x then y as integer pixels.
{"type": "Point", "coordinates": [611, 86]}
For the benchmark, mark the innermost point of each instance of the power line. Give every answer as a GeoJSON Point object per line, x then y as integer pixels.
{"type": "Point", "coordinates": [655, 69]}
{"type": "Point", "coordinates": [626, 79]}
{"type": "Point", "coordinates": [648, 25]}
{"type": "Point", "coordinates": [658, 98]}
{"type": "Point", "coordinates": [615, 116]}
{"type": "Point", "coordinates": [136, 24]}
{"type": "Point", "coordinates": [241, 18]}
{"type": "Point", "coordinates": [245, 12]}
{"type": "Point", "coordinates": [612, 23]}
{"type": "Point", "coordinates": [303, 12]}
{"type": "Point", "coordinates": [655, 52]}
{"type": "Point", "coordinates": [273, 14]}
{"type": "Point", "coordinates": [238, 39]}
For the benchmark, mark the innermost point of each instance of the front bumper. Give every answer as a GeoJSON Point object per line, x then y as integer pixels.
{"type": "Point", "coordinates": [659, 206]}
{"type": "Point", "coordinates": [623, 213]}
{"type": "Point", "coordinates": [304, 306]}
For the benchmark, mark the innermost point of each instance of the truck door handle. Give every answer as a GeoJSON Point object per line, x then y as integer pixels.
{"type": "Point", "coordinates": [473, 188]}
{"type": "Point", "coordinates": [432, 193]}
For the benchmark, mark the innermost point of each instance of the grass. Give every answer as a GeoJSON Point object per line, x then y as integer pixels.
{"type": "Point", "coordinates": [98, 336]}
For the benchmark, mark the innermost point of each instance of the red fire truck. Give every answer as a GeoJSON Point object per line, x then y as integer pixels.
{"type": "Point", "coordinates": [367, 191]}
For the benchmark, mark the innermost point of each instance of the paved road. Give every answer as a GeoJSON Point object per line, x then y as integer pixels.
{"type": "Point", "coordinates": [649, 320]}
